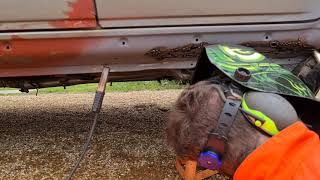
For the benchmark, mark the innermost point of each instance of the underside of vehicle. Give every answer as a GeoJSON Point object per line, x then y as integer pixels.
{"type": "Point", "coordinates": [45, 43]}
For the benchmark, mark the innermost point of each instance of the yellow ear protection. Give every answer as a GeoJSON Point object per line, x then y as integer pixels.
{"type": "Point", "coordinates": [267, 111]}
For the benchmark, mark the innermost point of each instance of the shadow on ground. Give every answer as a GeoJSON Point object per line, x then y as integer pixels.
{"type": "Point", "coordinates": [41, 137]}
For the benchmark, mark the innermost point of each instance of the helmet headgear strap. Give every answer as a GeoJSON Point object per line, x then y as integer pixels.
{"type": "Point", "coordinates": [219, 136]}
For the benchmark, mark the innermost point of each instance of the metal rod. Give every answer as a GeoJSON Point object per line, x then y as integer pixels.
{"type": "Point", "coordinates": [103, 80]}
{"type": "Point", "coordinates": [100, 90]}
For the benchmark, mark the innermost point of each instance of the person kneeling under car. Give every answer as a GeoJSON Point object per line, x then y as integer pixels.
{"type": "Point", "coordinates": [293, 153]}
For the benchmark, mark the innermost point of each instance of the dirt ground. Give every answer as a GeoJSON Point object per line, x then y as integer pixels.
{"type": "Point", "coordinates": [41, 137]}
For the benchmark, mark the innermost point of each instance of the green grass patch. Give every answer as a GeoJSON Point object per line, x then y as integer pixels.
{"type": "Point", "coordinates": [115, 87]}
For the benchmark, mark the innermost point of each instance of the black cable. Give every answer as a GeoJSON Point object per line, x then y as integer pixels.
{"type": "Point", "coordinates": [97, 104]}
{"type": "Point", "coordinates": [85, 147]}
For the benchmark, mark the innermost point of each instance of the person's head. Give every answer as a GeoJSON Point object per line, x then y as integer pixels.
{"type": "Point", "coordinates": [196, 114]}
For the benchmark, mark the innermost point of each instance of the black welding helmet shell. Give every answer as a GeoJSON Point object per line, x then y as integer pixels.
{"type": "Point", "coordinates": [274, 111]}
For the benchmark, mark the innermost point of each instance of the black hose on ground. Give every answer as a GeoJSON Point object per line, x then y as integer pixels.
{"type": "Point", "coordinates": [85, 146]}
{"type": "Point", "coordinates": [97, 104]}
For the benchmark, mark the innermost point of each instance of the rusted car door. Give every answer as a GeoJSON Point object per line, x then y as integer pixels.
{"type": "Point", "coordinates": [46, 14]}
{"type": "Point", "coordinates": [138, 13]}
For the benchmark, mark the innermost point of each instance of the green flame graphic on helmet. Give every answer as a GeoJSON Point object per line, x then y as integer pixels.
{"type": "Point", "coordinates": [265, 76]}
{"type": "Point", "coordinates": [247, 56]}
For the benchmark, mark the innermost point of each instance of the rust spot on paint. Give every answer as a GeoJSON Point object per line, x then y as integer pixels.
{"type": "Point", "coordinates": [80, 15]}
{"type": "Point", "coordinates": [281, 49]}
{"type": "Point", "coordinates": [19, 52]}
{"type": "Point", "coordinates": [187, 51]}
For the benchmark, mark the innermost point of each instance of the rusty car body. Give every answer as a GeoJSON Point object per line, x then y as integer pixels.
{"type": "Point", "coordinates": [45, 43]}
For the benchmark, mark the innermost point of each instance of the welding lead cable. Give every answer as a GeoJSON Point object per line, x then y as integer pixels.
{"type": "Point", "coordinates": [85, 147]}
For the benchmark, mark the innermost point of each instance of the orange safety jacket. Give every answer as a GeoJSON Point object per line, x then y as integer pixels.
{"type": "Point", "coordinates": [292, 154]}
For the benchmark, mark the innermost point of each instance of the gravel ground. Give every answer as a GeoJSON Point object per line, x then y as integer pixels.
{"type": "Point", "coordinates": [41, 137]}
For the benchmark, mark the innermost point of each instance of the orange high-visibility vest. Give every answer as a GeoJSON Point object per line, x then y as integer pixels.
{"type": "Point", "coordinates": [292, 154]}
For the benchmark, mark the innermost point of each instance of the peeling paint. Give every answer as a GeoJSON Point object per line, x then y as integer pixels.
{"type": "Point", "coordinates": [81, 14]}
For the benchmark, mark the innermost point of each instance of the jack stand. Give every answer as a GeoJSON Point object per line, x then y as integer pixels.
{"type": "Point", "coordinates": [98, 99]}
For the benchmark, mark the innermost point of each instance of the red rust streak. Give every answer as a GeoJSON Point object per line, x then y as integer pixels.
{"type": "Point", "coordinates": [22, 53]}
{"type": "Point", "coordinates": [81, 15]}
